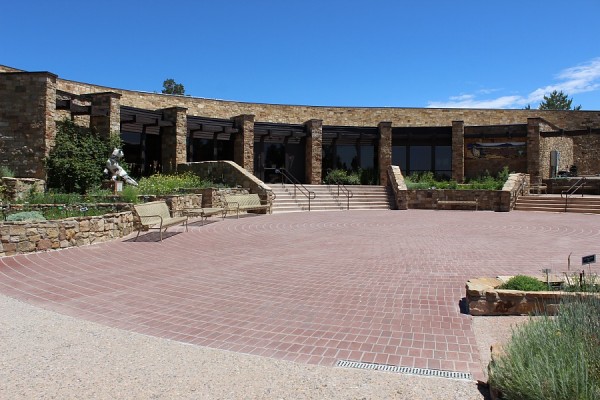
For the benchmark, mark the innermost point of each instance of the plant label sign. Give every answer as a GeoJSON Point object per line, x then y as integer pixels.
{"type": "Point", "coordinates": [588, 259]}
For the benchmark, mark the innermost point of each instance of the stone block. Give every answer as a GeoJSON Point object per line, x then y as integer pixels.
{"type": "Point", "coordinates": [44, 244]}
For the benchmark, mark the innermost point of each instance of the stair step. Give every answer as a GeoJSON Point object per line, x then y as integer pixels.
{"type": "Point", "coordinates": [549, 203]}
{"type": "Point", "coordinates": [326, 198]}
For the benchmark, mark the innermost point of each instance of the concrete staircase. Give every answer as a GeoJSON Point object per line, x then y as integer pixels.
{"type": "Point", "coordinates": [326, 198]}
{"type": "Point", "coordinates": [554, 203]}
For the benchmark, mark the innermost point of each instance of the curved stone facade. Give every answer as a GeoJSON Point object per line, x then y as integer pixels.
{"type": "Point", "coordinates": [31, 102]}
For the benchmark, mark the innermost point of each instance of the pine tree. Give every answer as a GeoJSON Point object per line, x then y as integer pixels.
{"type": "Point", "coordinates": [557, 101]}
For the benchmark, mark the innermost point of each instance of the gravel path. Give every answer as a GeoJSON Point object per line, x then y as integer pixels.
{"type": "Point", "coordinates": [46, 355]}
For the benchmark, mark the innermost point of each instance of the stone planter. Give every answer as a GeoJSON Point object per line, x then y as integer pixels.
{"type": "Point", "coordinates": [483, 298]}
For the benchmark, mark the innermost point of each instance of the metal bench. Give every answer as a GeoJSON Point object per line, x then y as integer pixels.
{"type": "Point", "coordinates": [156, 215]}
{"type": "Point", "coordinates": [538, 189]}
{"type": "Point", "coordinates": [458, 202]}
{"type": "Point", "coordinates": [204, 212]}
{"type": "Point", "coordinates": [244, 202]}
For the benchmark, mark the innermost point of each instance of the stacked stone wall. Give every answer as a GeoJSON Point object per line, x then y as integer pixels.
{"type": "Point", "coordinates": [494, 200]}
{"type": "Point", "coordinates": [586, 154]}
{"type": "Point", "coordinates": [27, 237]}
{"type": "Point", "coordinates": [345, 116]}
{"type": "Point", "coordinates": [564, 145]}
{"type": "Point", "coordinates": [27, 121]}
{"type": "Point", "coordinates": [15, 189]}
{"type": "Point", "coordinates": [230, 174]}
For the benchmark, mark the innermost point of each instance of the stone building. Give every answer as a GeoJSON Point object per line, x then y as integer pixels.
{"type": "Point", "coordinates": [162, 131]}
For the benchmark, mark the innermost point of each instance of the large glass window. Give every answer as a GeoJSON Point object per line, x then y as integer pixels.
{"type": "Point", "coordinates": [347, 157]}
{"type": "Point", "coordinates": [420, 158]}
{"type": "Point", "coordinates": [443, 161]}
{"type": "Point", "coordinates": [399, 157]}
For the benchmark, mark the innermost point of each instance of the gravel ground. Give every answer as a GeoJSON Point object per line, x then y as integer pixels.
{"type": "Point", "coordinates": [45, 355]}
{"type": "Point", "coordinates": [493, 330]}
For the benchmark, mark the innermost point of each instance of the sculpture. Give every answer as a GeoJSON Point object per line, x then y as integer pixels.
{"type": "Point", "coordinates": [115, 170]}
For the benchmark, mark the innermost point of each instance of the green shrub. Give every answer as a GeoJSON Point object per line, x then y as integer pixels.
{"type": "Point", "coordinates": [170, 184]}
{"type": "Point", "coordinates": [6, 172]}
{"type": "Point", "coordinates": [525, 283]}
{"type": "Point", "coordinates": [26, 216]}
{"type": "Point", "coordinates": [587, 283]}
{"type": "Point", "coordinates": [553, 358]}
{"type": "Point", "coordinates": [77, 160]}
{"type": "Point", "coordinates": [52, 197]}
{"type": "Point", "coordinates": [427, 180]}
{"type": "Point", "coordinates": [130, 194]}
{"type": "Point", "coordinates": [341, 176]}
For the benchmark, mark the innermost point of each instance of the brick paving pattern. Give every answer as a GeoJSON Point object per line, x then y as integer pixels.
{"type": "Point", "coordinates": [372, 286]}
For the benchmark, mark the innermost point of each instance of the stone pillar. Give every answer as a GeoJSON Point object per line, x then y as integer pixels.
{"type": "Point", "coordinates": [243, 145]}
{"type": "Point", "coordinates": [173, 139]}
{"type": "Point", "coordinates": [314, 151]}
{"type": "Point", "coordinates": [27, 121]}
{"type": "Point", "coordinates": [385, 151]}
{"type": "Point", "coordinates": [533, 149]}
{"type": "Point", "coordinates": [106, 113]}
{"type": "Point", "coordinates": [458, 151]}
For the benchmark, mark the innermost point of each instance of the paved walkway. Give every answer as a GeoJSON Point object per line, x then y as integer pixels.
{"type": "Point", "coordinates": [372, 286]}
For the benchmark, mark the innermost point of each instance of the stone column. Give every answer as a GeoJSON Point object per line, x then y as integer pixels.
{"type": "Point", "coordinates": [533, 149]}
{"type": "Point", "coordinates": [27, 121]}
{"type": "Point", "coordinates": [243, 145]}
{"type": "Point", "coordinates": [173, 139]}
{"type": "Point", "coordinates": [385, 151]}
{"type": "Point", "coordinates": [106, 113]}
{"type": "Point", "coordinates": [458, 151]}
{"type": "Point", "coordinates": [314, 151]}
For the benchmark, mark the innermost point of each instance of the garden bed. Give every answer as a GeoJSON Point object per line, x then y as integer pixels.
{"type": "Point", "coordinates": [483, 297]}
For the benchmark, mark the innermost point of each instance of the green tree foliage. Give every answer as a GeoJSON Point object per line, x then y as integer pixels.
{"type": "Point", "coordinates": [77, 160]}
{"type": "Point", "coordinates": [557, 101]}
{"type": "Point", "coordinates": [172, 87]}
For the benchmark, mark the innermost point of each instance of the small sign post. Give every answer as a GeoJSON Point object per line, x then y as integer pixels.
{"type": "Point", "coordinates": [591, 259]}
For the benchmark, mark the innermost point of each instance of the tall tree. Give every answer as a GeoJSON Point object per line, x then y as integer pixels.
{"type": "Point", "coordinates": [172, 87]}
{"type": "Point", "coordinates": [557, 101]}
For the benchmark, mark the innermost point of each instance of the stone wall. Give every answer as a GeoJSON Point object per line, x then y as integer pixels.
{"type": "Point", "coordinates": [27, 237]}
{"type": "Point", "coordinates": [346, 116]}
{"type": "Point", "coordinates": [494, 200]}
{"type": "Point", "coordinates": [586, 154]}
{"type": "Point", "coordinates": [484, 298]}
{"type": "Point", "coordinates": [230, 174]}
{"type": "Point", "coordinates": [564, 145]}
{"type": "Point", "coordinates": [398, 185]}
{"type": "Point", "coordinates": [27, 121]}
{"type": "Point", "coordinates": [19, 188]}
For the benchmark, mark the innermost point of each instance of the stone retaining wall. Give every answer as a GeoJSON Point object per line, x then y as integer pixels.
{"type": "Point", "coordinates": [483, 298]}
{"type": "Point", "coordinates": [230, 174]}
{"type": "Point", "coordinates": [19, 188]}
{"type": "Point", "coordinates": [495, 200]}
{"type": "Point", "coordinates": [27, 237]}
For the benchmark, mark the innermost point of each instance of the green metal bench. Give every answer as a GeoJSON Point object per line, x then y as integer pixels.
{"type": "Point", "coordinates": [156, 215]}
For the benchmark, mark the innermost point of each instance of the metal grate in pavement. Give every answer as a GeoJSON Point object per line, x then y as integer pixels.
{"type": "Point", "coordinates": [405, 370]}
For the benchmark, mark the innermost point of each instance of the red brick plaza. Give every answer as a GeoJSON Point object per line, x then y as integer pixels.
{"type": "Point", "coordinates": [372, 286]}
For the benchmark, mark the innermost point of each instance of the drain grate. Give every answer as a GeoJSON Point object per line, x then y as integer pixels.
{"type": "Point", "coordinates": [405, 370]}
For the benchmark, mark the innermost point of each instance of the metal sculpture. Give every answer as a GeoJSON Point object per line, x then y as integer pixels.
{"type": "Point", "coordinates": [115, 170]}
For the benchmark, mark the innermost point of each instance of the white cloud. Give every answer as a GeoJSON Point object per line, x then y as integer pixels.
{"type": "Point", "coordinates": [579, 79]}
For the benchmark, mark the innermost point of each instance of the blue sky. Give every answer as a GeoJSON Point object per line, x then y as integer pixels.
{"type": "Point", "coordinates": [482, 54]}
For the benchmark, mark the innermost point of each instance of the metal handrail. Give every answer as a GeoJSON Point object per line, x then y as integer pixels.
{"type": "Point", "coordinates": [347, 192]}
{"type": "Point", "coordinates": [580, 184]}
{"type": "Point", "coordinates": [309, 194]}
